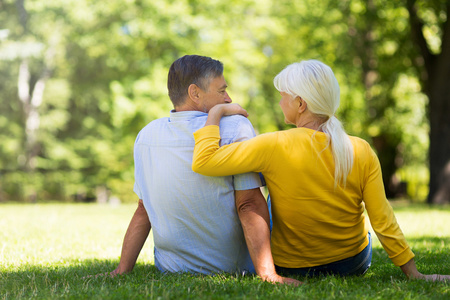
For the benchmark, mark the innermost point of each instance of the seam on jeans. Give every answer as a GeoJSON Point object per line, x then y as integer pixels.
{"type": "Point", "coordinates": [363, 261]}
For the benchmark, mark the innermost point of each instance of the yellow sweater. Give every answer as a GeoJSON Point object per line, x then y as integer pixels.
{"type": "Point", "coordinates": [313, 223]}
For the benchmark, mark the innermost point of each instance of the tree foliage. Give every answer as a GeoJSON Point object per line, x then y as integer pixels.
{"type": "Point", "coordinates": [79, 79]}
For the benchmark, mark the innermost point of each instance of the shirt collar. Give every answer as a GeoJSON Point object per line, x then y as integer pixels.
{"type": "Point", "coordinates": [185, 115]}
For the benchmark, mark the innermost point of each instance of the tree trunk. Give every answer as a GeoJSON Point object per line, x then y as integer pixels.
{"type": "Point", "coordinates": [31, 102]}
{"type": "Point", "coordinates": [31, 95]}
{"type": "Point", "coordinates": [365, 46]}
{"type": "Point", "coordinates": [435, 79]}
{"type": "Point", "coordinates": [439, 114]}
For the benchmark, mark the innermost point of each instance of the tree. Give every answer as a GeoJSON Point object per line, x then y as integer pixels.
{"type": "Point", "coordinates": [391, 40]}
{"type": "Point", "coordinates": [80, 78]}
{"type": "Point", "coordinates": [390, 43]}
{"type": "Point", "coordinates": [430, 31]}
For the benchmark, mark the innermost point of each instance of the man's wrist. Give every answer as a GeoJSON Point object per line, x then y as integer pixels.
{"type": "Point", "coordinates": [122, 269]}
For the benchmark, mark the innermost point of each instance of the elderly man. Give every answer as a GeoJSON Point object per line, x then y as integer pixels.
{"type": "Point", "coordinates": [196, 220]}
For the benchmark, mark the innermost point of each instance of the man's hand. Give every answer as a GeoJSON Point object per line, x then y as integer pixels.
{"type": "Point", "coordinates": [110, 274]}
{"type": "Point", "coordinates": [275, 278]}
{"type": "Point", "coordinates": [133, 242]}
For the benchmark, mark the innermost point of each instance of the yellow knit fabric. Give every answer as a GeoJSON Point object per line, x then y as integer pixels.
{"type": "Point", "coordinates": [314, 223]}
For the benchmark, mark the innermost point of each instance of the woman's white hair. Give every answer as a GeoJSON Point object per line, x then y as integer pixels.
{"type": "Point", "coordinates": [316, 84]}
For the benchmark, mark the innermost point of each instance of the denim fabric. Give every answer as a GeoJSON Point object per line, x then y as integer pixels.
{"type": "Point", "coordinates": [269, 205]}
{"type": "Point", "coordinates": [356, 265]}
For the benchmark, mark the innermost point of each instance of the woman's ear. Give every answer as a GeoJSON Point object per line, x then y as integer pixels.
{"type": "Point", "coordinates": [193, 93]}
{"type": "Point", "coordinates": [302, 106]}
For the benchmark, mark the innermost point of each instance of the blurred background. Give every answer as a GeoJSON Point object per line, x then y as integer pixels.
{"type": "Point", "coordinates": [80, 78]}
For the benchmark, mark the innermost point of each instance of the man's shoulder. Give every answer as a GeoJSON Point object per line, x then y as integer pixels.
{"type": "Point", "coordinates": [234, 120]}
{"type": "Point", "coordinates": [235, 125]}
{"type": "Point", "coordinates": [235, 128]}
{"type": "Point", "coordinates": [227, 123]}
{"type": "Point", "coordinates": [159, 121]}
{"type": "Point", "coordinates": [154, 126]}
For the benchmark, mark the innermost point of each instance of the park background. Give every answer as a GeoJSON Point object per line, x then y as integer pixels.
{"type": "Point", "coordinates": [80, 78]}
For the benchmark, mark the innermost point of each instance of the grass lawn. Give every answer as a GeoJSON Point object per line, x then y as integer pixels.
{"type": "Point", "coordinates": [47, 249]}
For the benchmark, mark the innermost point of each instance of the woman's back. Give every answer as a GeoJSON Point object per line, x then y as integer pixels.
{"type": "Point", "coordinates": [314, 222]}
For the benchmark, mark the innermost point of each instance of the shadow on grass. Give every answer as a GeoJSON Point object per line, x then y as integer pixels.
{"type": "Point", "coordinates": [146, 281]}
{"type": "Point", "coordinates": [417, 207]}
{"type": "Point", "coordinates": [433, 242]}
{"type": "Point", "coordinates": [67, 279]}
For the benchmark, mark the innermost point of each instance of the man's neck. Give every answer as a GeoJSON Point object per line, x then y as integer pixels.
{"type": "Point", "coordinates": [186, 107]}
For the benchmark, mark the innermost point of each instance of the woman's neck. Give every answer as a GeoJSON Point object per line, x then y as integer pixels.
{"type": "Point", "coordinates": [308, 120]}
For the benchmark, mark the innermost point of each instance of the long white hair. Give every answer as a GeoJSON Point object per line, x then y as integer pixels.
{"type": "Point", "coordinates": [316, 84]}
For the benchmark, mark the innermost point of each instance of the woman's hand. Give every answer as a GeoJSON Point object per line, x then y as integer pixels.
{"type": "Point", "coordinates": [436, 277]}
{"type": "Point", "coordinates": [411, 272]}
{"type": "Point", "coordinates": [229, 109]}
{"type": "Point", "coordinates": [220, 110]}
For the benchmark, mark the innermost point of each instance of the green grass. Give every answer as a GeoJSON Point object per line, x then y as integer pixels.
{"type": "Point", "coordinates": [47, 249]}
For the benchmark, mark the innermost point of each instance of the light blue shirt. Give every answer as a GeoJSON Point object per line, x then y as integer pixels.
{"type": "Point", "coordinates": [194, 220]}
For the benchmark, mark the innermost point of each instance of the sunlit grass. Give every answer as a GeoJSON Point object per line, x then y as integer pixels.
{"type": "Point", "coordinates": [47, 249]}
{"type": "Point", "coordinates": [48, 234]}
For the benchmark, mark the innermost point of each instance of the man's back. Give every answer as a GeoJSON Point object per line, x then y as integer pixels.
{"type": "Point", "coordinates": [194, 220]}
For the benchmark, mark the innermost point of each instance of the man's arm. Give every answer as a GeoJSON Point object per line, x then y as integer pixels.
{"type": "Point", "coordinates": [254, 215]}
{"type": "Point", "coordinates": [134, 240]}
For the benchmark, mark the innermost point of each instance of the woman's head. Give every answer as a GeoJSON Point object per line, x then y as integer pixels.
{"type": "Point", "coordinates": [314, 82]}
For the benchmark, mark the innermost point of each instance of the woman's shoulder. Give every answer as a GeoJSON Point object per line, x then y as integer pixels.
{"type": "Point", "coordinates": [358, 141]}
{"type": "Point", "coordinates": [283, 134]}
{"type": "Point", "coordinates": [361, 146]}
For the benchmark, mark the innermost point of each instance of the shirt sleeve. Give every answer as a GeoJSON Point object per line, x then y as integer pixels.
{"type": "Point", "coordinates": [381, 214]}
{"type": "Point", "coordinates": [137, 168]}
{"type": "Point", "coordinates": [236, 158]}
{"type": "Point", "coordinates": [137, 190]}
{"type": "Point", "coordinates": [244, 131]}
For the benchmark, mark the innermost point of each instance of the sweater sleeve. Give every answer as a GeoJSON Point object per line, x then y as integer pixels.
{"type": "Point", "coordinates": [381, 214]}
{"type": "Point", "coordinates": [236, 158]}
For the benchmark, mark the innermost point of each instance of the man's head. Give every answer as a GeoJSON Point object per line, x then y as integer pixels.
{"type": "Point", "coordinates": [196, 82]}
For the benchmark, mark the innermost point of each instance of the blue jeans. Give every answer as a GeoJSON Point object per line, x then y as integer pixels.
{"type": "Point", "coordinates": [356, 265]}
{"type": "Point", "coordinates": [269, 205]}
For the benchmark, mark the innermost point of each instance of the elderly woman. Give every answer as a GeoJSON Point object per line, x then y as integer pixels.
{"type": "Point", "coordinates": [320, 180]}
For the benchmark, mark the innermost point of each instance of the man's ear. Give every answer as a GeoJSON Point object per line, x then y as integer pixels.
{"type": "Point", "coordinates": [302, 106]}
{"type": "Point", "coordinates": [194, 93]}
